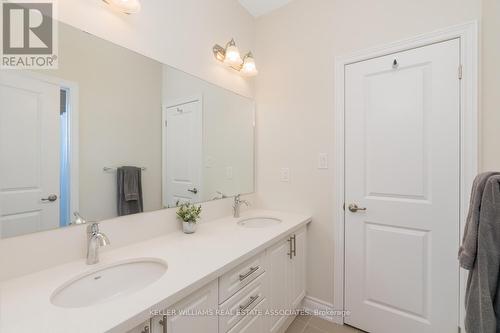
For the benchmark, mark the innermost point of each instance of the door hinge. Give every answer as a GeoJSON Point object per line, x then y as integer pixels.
{"type": "Point", "coordinates": [460, 72]}
{"type": "Point", "coordinates": [165, 123]}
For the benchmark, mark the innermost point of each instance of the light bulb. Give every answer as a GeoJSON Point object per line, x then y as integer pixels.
{"type": "Point", "coordinates": [249, 68]}
{"type": "Point", "coordinates": [126, 6]}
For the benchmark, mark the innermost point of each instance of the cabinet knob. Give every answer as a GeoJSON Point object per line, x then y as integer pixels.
{"type": "Point", "coordinates": [146, 329]}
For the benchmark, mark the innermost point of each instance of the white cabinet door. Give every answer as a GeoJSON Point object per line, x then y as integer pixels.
{"type": "Point", "coordinates": [278, 261]}
{"type": "Point", "coordinates": [297, 269]}
{"type": "Point", "coordinates": [142, 328]}
{"type": "Point", "coordinates": [286, 272]}
{"type": "Point", "coordinates": [190, 315]}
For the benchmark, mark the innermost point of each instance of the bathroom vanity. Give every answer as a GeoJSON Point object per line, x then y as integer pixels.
{"type": "Point", "coordinates": [233, 275]}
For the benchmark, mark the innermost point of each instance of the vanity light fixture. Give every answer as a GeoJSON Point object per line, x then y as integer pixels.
{"type": "Point", "coordinates": [230, 56]}
{"type": "Point", "coordinates": [125, 6]}
{"type": "Point", "coordinates": [249, 68]}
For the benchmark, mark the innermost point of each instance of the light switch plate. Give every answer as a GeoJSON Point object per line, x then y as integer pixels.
{"type": "Point", "coordinates": [285, 175]}
{"type": "Point", "coordinates": [323, 161]}
{"type": "Point", "coordinates": [209, 163]}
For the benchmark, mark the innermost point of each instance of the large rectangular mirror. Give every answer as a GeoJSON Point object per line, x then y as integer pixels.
{"type": "Point", "coordinates": [112, 133]}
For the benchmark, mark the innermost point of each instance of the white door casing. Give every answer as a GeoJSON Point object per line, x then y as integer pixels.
{"type": "Point", "coordinates": [402, 144]}
{"type": "Point", "coordinates": [182, 152]}
{"type": "Point", "coordinates": [29, 149]}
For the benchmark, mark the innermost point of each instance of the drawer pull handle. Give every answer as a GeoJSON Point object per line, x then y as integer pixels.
{"type": "Point", "coordinates": [250, 272]}
{"type": "Point", "coordinates": [290, 251]}
{"type": "Point", "coordinates": [249, 303]}
{"type": "Point", "coordinates": [294, 251]}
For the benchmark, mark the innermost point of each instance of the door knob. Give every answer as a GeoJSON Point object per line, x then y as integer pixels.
{"type": "Point", "coordinates": [354, 208]}
{"type": "Point", "coordinates": [194, 190]}
{"type": "Point", "coordinates": [50, 198]}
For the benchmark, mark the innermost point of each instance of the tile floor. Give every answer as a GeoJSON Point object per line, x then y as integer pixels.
{"type": "Point", "coordinates": [311, 324]}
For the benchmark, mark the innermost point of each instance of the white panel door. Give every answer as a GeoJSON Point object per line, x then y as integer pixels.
{"type": "Point", "coordinates": [29, 155]}
{"type": "Point", "coordinates": [183, 153]}
{"type": "Point", "coordinates": [402, 165]}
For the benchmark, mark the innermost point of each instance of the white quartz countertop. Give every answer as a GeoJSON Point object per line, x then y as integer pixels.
{"type": "Point", "coordinates": [193, 260]}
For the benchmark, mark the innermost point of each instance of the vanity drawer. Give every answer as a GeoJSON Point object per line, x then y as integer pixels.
{"type": "Point", "coordinates": [253, 322]}
{"type": "Point", "coordinates": [231, 282]}
{"type": "Point", "coordinates": [233, 310]}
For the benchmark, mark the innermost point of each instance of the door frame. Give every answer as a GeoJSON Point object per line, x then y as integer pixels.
{"type": "Point", "coordinates": [469, 154]}
{"type": "Point", "coordinates": [168, 104]}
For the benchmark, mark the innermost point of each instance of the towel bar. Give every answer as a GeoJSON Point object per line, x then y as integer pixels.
{"type": "Point", "coordinates": [108, 169]}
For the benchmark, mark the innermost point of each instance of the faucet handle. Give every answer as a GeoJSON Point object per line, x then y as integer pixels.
{"type": "Point", "coordinates": [78, 219]}
{"type": "Point", "coordinates": [93, 228]}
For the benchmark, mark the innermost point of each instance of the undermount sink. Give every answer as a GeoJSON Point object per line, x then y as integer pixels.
{"type": "Point", "coordinates": [109, 282]}
{"type": "Point", "coordinates": [258, 222]}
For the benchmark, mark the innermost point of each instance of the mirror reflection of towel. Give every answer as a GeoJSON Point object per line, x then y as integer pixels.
{"type": "Point", "coordinates": [129, 190]}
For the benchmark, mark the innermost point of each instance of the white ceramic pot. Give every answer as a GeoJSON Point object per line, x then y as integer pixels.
{"type": "Point", "coordinates": [189, 227]}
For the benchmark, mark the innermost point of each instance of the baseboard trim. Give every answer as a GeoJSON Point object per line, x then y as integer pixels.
{"type": "Point", "coordinates": [322, 309]}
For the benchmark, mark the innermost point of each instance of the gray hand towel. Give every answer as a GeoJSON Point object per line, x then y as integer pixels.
{"type": "Point", "coordinates": [482, 297]}
{"type": "Point", "coordinates": [468, 250]}
{"type": "Point", "coordinates": [129, 190]}
{"type": "Point", "coordinates": [131, 179]}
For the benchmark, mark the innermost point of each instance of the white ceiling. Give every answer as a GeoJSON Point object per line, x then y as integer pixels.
{"type": "Point", "coordinates": [262, 7]}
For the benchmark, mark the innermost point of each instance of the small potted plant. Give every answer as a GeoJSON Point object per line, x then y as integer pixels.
{"type": "Point", "coordinates": [189, 215]}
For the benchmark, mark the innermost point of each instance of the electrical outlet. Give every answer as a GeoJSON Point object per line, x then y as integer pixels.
{"type": "Point", "coordinates": [285, 175]}
{"type": "Point", "coordinates": [323, 161]}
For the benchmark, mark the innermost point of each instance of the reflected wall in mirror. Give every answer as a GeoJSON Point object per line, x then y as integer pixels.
{"type": "Point", "coordinates": [114, 133]}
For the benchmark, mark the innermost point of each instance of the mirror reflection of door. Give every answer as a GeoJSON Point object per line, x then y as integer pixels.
{"type": "Point", "coordinates": [34, 148]}
{"type": "Point", "coordinates": [182, 148]}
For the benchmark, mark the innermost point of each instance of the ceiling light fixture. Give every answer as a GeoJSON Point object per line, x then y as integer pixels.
{"type": "Point", "coordinates": [125, 6]}
{"type": "Point", "coordinates": [230, 56]}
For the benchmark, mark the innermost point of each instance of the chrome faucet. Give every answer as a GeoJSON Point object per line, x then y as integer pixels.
{"type": "Point", "coordinates": [237, 205]}
{"type": "Point", "coordinates": [95, 240]}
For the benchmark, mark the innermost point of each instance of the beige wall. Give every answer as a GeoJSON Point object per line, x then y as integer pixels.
{"type": "Point", "coordinates": [179, 33]}
{"type": "Point", "coordinates": [296, 47]}
{"type": "Point", "coordinates": [490, 112]}
{"type": "Point", "coordinates": [119, 124]}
